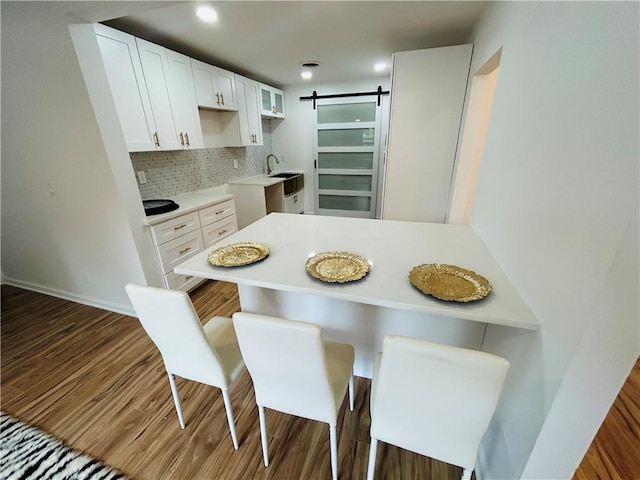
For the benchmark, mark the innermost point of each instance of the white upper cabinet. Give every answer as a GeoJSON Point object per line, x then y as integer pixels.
{"type": "Point", "coordinates": [244, 127]}
{"type": "Point", "coordinates": [215, 87]}
{"type": "Point", "coordinates": [271, 101]}
{"type": "Point", "coordinates": [156, 76]}
{"type": "Point", "coordinates": [169, 82]}
{"type": "Point", "coordinates": [124, 73]}
{"type": "Point", "coordinates": [183, 100]}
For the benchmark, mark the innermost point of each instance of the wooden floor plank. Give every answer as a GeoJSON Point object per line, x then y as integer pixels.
{"type": "Point", "coordinates": [615, 450]}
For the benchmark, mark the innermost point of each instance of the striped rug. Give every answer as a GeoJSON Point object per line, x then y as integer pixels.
{"type": "Point", "coordinates": [27, 453]}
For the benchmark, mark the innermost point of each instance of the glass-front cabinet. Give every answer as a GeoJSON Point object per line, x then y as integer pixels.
{"type": "Point", "coordinates": [347, 145]}
{"type": "Point", "coordinates": [271, 101]}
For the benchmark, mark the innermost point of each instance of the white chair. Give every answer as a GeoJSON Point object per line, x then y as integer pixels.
{"type": "Point", "coordinates": [294, 371]}
{"type": "Point", "coordinates": [435, 400]}
{"type": "Point", "coordinates": [207, 354]}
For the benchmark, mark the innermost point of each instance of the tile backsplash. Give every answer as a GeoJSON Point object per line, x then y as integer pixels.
{"type": "Point", "coordinates": [181, 171]}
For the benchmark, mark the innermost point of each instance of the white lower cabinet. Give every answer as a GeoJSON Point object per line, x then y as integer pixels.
{"type": "Point", "coordinates": [182, 237]}
{"type": "Point", "coordinates": [294, 203]}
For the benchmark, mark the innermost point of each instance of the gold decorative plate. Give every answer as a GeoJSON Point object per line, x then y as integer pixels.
{"type": "Point", "coordinates": [449, 282]}
{"type": "Point", "coordinates": [337, 267]}
{"type": "Point", "coordinates": [237, 254]}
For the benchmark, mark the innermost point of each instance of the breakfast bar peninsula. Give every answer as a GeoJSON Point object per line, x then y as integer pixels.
{"type": "Point", "coordinates": [383, 302]}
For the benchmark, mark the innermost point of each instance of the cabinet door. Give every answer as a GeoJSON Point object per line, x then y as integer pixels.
{"type": "Point", "coordinates": [215, 87]}
{"type": "Point", "coordinates": [242, 115]}
{"type": "Point", "coordinates": [253, 111]}
{"type": "Point", "coordinates": [271, 101]}
{"type": "Point", "coordinates": [183, 101]}
{"type": "Point", "coordinates": [226, 85]}
{"type": "Point", "coordinates": [124, 73]}
{"type": "Point", "coordinates": [156, 74]}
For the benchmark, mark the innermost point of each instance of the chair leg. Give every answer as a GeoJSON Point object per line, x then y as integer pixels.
{"type": "Point", "coordinates": [351, 391]}
{"type": "Point", "coordinates": [466, 474]}
{"type": "Point", "coordinates": [373, 449]}
{"type": "Point", "coordinates": [263, 436]}
{"type": "Point", "coordinates": [232, 423]}
{"type": "Point", "coordinates": [333, 439]}
{"type": "Point", "coordinates": [176, 399]}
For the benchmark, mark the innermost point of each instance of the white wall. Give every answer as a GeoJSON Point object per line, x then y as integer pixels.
{"type": "Point", "coordinates": [556, 202]}
{"type": "Point", "coordinates": [65, 229]}
{"type": "Point", "coordinates": [293, 137]}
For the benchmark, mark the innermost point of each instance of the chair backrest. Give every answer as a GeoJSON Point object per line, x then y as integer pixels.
{"type": "Point", "coordinates": [170, 320]}
{"type": "Point", "coordinates": [287, 364]}
{"type": "Point", "coordinates": [434, 399]}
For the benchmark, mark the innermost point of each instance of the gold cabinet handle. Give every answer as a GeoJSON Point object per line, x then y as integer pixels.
{"type": "Point", "coordinates": [188, 277]}
{"type": "Point", "coordinates": [218, 98]}
{"type": "Point", "coordinates": [155, 139]}
{"type": "Point", "coordinates": [223, 231]}
{"type": "Point", "coordinates": [181, 139]}
{"type": "Point", "coordinates": [180, 227]}
{"type": "Point", "coordinates": [222, 98]}
{"type": "Point", "coordinates": [185, 250]}
{"type": "Point", "coordinates": [186, 136]}
{"type": "Point", "coordinates": [273, 109]}
{"type": "Point", "coordinates": [219, 212]}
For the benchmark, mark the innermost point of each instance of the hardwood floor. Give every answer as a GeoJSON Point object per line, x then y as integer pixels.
{"type": "Point", "coordinates": [94, 379]}
{"type": "Point", "coordinates": [615, 451]}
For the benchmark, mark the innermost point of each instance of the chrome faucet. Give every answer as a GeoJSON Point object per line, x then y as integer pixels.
{"type": "Point", "coordinates": [268, 167]}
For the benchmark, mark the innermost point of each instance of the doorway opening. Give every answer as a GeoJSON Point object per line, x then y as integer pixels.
{"type": "Point", "coordinates": [483, 85]}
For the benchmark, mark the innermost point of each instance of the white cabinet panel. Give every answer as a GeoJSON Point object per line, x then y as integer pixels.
{"type": "Point", "coordinates": [171, 229]}
{"type": "Point", "coordinates": [124, 73]}
{"type": "Point", "coordinates": [215, 87]}
{"type": "Point", "coordinates": [179, 249]}
{"type": "Point", "coordinates": [294, 203]}
{"type": "Point", "coordinates": [183, 101]}
{"type": "Point", "coordinates": [427, 96]}
{"type": "Point", "coordinates": [216, 212]}
{"type": "Point", "coordinates": [156, 76]}
{"type": "Point", "coordinates": [176, 281]}
{"type": "Point", "coordinates": [271, 101]}
{"type": "Point", "coordinates": [218, 230]}
{"type": "Point", "coordinates": [244, 127]}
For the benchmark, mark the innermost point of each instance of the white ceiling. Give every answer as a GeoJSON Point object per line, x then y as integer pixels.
{"type": "Point", "coordinates": [268, 40]}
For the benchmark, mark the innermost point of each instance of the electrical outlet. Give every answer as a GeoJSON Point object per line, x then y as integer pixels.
{"type": "Point", "coordinates": [235, 163]}
{"type": "Point", "coordinates": [142, 177]}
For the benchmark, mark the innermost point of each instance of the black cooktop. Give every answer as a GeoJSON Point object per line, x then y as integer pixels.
{"type": "Point", "coordinates": [156, 207]}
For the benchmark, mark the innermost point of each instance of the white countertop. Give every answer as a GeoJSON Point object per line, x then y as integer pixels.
{"type": "Point", "coordinates": [392, 247]}
{"type": "Point", "coordinates": [189, 202]}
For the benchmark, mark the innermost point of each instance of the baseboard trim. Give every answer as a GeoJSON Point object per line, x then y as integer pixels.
{"type": "Point", "coordinates": [112, 307]}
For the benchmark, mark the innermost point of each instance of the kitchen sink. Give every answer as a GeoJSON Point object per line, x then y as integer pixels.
{"type": "Point", "coordinates": [284, 175]}
{"type": "Point", "coordinates": [294, 182]}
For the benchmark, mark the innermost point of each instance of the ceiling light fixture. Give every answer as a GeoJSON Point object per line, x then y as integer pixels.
{"type": "Point", "coordinates": [206, 14]}
{"type": "Point", "coordinates": [306, 74]}
{"type": "Point", "coordinates": [380, 66]}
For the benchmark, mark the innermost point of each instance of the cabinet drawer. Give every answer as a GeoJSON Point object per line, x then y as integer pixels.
{"type": "Point", "coordinates": [217, 231]}
{"type": "Point", "coordinates": [171, 229]}
{"type": "Point", "coordinates": [216, 212]}
{"type": "Point", "coordinates": [176, 281]}
{"type": "Point", "coordinates": [178, 250]}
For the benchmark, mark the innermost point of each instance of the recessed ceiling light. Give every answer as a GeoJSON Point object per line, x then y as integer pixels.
{"type": "Point", "coordinates": [380, 66]}
{"type": "Point", "coordinates": [306, 74]}
{"type": "Point", "coordinates": [206, 14]}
